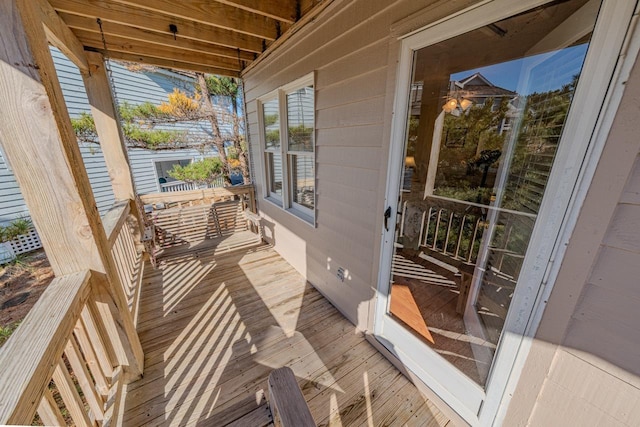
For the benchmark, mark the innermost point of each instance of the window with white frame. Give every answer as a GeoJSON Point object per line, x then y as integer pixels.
{"type": "Point", "coordinates": [288, 127]}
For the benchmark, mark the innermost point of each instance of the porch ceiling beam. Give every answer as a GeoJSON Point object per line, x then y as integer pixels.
{"type": "Point", "coordinates": [113, 29]}
{"type": "Point", "coordinates": [121, 44]}
{"type": "Point", "coordinates": [59, 35]}
{"type": "Point", "coordinates": [168, 63]}
{"type": "Point", "coordinates": [280, 10]}
{"type": "Point", "coordinates": [215, 14]}
{"type": "Point", "coordinates": [146, 20]}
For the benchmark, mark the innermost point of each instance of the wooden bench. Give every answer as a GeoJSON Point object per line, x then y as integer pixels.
{"type": "Point", "coordinates": [220, 227]}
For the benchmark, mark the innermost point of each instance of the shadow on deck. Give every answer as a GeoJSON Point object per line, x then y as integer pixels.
{"type": "Point", "coordinates": [213, 326]}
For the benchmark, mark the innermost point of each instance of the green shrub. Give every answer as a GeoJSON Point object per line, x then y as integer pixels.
{"type": "Point", "coordinates": [15, 228]}
{"type": "Point", "coordinates": [200, 172]}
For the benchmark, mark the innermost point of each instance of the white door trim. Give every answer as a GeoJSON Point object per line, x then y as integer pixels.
{"type": "Point", "coordinates": [586, 128]}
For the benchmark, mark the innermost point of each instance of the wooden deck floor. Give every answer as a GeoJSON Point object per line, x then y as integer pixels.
{"type": "Point", "coordinates": [214, 327]}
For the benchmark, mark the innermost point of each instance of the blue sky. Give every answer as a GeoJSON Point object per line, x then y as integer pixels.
{"type": "Point", "coordinates": [567, 62]}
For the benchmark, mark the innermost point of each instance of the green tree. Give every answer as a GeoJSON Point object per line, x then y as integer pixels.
{"type": "Point", "coordinates": [143, 125]}
{"type": "Point", "coordinates": [228, 87]}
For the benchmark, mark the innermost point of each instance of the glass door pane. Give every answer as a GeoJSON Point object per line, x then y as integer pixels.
{"type": "Point", "coordinates": [486, 114]}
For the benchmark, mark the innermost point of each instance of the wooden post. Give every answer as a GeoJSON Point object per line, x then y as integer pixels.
{"type": "Point", "coordinates": [110, 135]}
{"type": "Point", "coordinates": [103, 109]}
{"type": "Point", "coordinates": [41, 148]}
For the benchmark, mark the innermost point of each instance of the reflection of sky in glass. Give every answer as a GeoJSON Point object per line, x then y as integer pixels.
{"type": "Point", "coordinates": [507, 74]}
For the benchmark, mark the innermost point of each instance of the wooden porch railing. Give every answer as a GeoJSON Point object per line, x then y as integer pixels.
{"type": "Point", "coordinates": [202, 196]}
{"type": "Point", "coordinates": [455, 228]}
{"type": "Point", "coordinates": [169, 187]}
{"type": "Point", "coordinates": [67, 346]}
{"type": "Point", "coordinates": [452, 231]}
{"type": "Point", "coordinates": [123, 235]}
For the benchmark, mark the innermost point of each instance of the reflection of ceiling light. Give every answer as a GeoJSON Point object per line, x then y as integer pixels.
{"type": "Point", "coordinates": [454, 104]}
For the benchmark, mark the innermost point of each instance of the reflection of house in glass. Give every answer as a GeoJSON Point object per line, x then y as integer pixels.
{"type": "Point", "coordinates": [477, 89]}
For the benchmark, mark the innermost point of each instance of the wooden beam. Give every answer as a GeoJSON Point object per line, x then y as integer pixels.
{"type": "Point", "coordinates": [105, 117]}
{"type": "Point", "coordinates": [299, 25]}
{"type": "Point", "coordinates": [215, 14]}
{"type": "Point", "coordinates": [121, 44]}
{"type": "Point", "coordinates": [168, 63]}
{"type": "Point", "coordinates": [59, 35]}
{"type": "Point", "coordinates": [164, 39]}
{"type": "Point", "coordinates": [280, 10]}
{"type": "Point", "coordinates": [42, 150]}
{"type": "Point", "coordinates": [144, 19]}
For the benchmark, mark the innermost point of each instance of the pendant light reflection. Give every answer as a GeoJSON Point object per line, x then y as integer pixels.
{"type": "Point", "coordinates": [455, 106]}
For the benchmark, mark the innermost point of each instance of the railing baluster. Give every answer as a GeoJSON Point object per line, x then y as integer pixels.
{"type": "Point", "coordinates": [104, 352]}
{"type": "Point", "coordinates": [460, 233]}
{"type": "Point", "coordinates": [426, 233]}
{"type": "Point", "coordinates": [70, 396]}
{"type": "Point", "coordinates": [436, 231]}
{"type": "Point", "coordinates": [84, 379]}
{"type": "Point", "coordinates": [473, 239]}
{"type": "Point", "coordinates": [421, 227]}
{"type": "Point", "coordinates": [446, 239]}
{"type": "Point", "coordinates": [90, 356]}
{"type": "Point", "coordinates": [48, 410]}
{"type": "Point", "coordinates": [109, 326]}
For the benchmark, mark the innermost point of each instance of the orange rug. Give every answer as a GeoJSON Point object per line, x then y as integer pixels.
{"type": "Point", "coordinates": [404, 307]}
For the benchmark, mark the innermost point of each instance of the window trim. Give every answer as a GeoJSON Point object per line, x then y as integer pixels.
{"type": "Point", "coordinates": [285, 201]}
{"type": "Point", "coordinates": [264, 150]}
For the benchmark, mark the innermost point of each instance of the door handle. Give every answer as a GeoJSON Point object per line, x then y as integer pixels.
{"type": "Point", "coordinates": [387, 215]}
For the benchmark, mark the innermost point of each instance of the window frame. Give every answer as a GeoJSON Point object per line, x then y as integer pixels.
{"type": "Point", "coordinates": [273, 197]}
{"type": "Point", "coordinates": [155, 161]}
{"type": "Point", "coordinates": [286, 201]}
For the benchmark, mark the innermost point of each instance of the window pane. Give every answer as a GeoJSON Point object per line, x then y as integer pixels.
{"type": "Point", "coordinates": [303, 180]}
{"type": "Point", "coordinates": [274, 165]}
{"type": "Point", "coordinates": [271, 117]}
{"type": "Point", "coordinates": [300, 109]}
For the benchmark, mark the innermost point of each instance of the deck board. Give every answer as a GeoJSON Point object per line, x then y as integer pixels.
{"type": "Point", "coordinates": [213, 326]}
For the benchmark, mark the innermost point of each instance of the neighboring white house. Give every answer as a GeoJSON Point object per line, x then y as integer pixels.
{"type": "Point", "coordinates": [148, 166]}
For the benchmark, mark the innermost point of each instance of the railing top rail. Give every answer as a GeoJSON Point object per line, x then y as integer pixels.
{"type": "Point", "coordinates": [30, 356]}
{"type": "Point", "coordinates": [115, 218]}
{"type": "Point", "coordinates": [446, 202]}
{"type": "Point", "coordinates": [186, 196]}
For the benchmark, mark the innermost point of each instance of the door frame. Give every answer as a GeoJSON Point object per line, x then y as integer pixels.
{"type": "Point", "coordinates": [586, 128]}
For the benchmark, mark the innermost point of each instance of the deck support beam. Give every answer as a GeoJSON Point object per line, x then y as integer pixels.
{"type": "Point", "coordinates": [42, 150]}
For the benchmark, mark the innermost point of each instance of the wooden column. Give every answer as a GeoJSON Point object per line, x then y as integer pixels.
{"type": "Point", "coordinates": [110, 134]}
{"type": "Point", "coordinates": [41, 148]}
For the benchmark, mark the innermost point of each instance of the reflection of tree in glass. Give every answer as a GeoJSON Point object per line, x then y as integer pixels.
{"type": "Point", "coordinates": [272, 138]}
{"type": "Point", "coordinates": [543, 119]}
{"type": "Point", "coordinates": [300, 137]}
{"type": "Point", "coordinates": [459, 173]}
